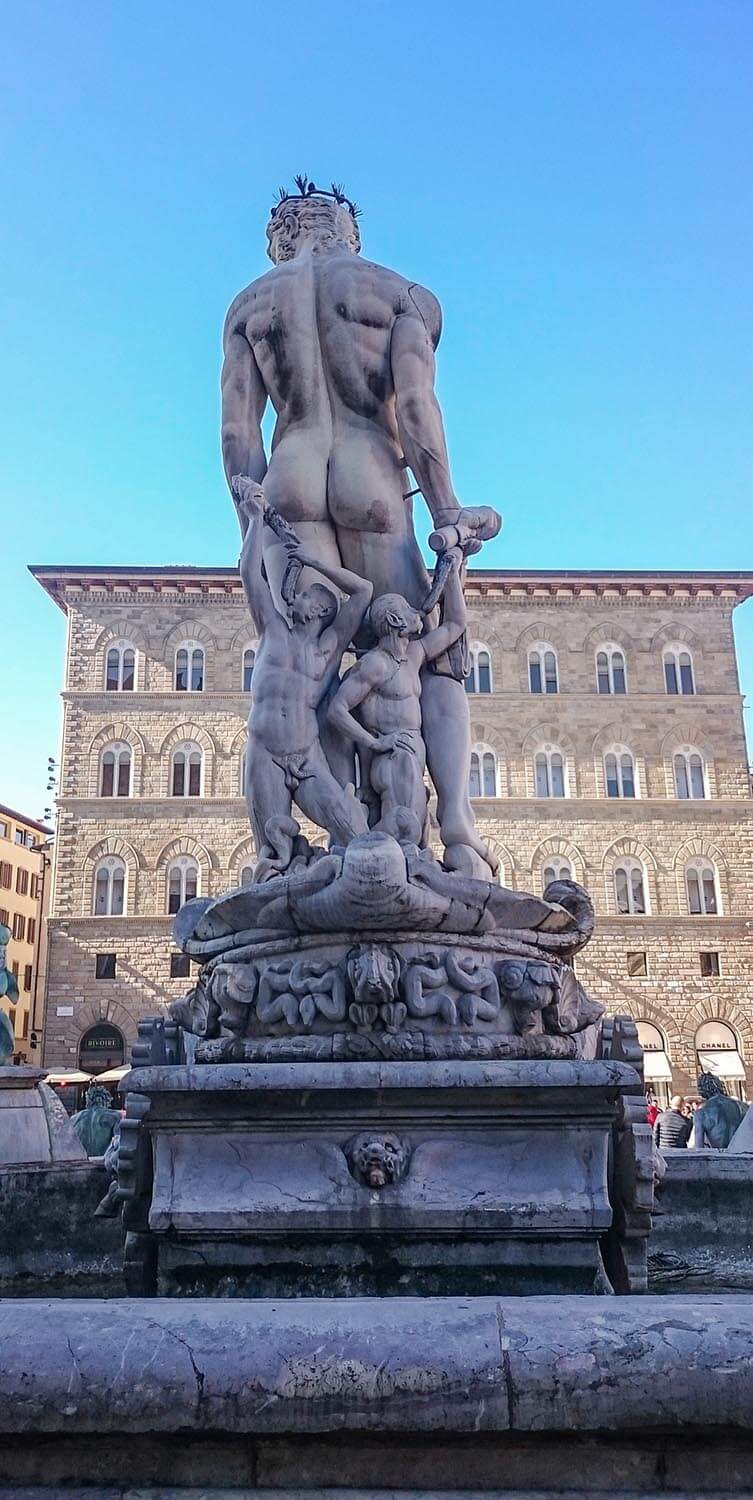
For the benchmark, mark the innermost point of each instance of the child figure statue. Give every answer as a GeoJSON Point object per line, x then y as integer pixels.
{"type": "Point", "coordinates": [296, 666]}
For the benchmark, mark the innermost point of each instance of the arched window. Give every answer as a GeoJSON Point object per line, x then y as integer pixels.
{"type": "Point", "coordinates": [482, 779]}
{"type": "Point", "coordinates": [619, 772]}
{"type": "Point", "coordinates": [630, 888]}
{"type": "Point", "coordinates": [610, 670]}
{"type": "Point", "coordinates": [115, 771]}
{"type": "Point", "coordinates": [542, 669]}
{"type": "Point", "coordinates": [549, 772]}
{"type": "Point", "coordinates": [702, 889]}
{"type": "Point", "coordinates": [247, 875]}
{"type": "Point", "coordinates": [249, 658]}
{"type": "Point", "coordinates": [185, 780]}
{"type": "Point", "coordinates": [678, 670]}
{"type": "Point", "coordinates": [189, 667]}
{"type": "Point", "coordinates": [182, 882]}
{"type": "Point", "coordinates": [109, 887]}
{"type": "Point", "coordinates": [479, 679]}
{"type": "Point", "coordinates": [690, 779]}
{"type": "Point", "coordinates": [556, 868]}
{"type": "Point", "coordinates": [718, 1052]}
{"type": "Point", "coordinates": [120, 668]}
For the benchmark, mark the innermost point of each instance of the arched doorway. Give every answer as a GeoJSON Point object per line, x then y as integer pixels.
{"type": "Point", "coordinates": [718, 1052]}
{"type": "Point", "coordinates": [102, 1046]}
{"type": "Point", "coordinates": [657, 1069]}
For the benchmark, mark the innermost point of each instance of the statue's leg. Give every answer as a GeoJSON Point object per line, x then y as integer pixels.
{"type": "Point", "coordinates": [267, 795]}
{"type": "Point", "coordinates": [323, 800]}
{"type": "Point", "coordinates": [447, 734]}
{"type": "Point", "coordinates": [398, 778]}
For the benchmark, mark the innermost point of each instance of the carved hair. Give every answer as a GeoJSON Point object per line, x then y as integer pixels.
{"type": "Point", "coordinates": [322, 219]}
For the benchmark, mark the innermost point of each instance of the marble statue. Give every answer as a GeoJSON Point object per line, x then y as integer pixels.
{"type": "Point", "coordinates": [715, 1123]}
{"type": "Point", "coordinates": [9, 990]}
{"type": "Point", "coordinates": [344, 350]}
{"type": "Point", "coordinates": [296, 664]}
{"type": "Point", "coordinates": [378, 704]}
{"type": "Point", "coordinates": [366, 945]}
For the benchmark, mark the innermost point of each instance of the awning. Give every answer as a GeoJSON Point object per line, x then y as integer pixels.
{"type": "Point", "coordinates": [112, 1075]}
{"type": "Point", "coordinates": [656, 1067]}
{"type": "Point", "coordinates": [70, 1075]}
{"type": "Point", "coordinates": [725, 1063]}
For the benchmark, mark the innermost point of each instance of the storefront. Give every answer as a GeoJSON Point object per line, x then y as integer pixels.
{"type": "Point", "coordinates": [657, 1069]}
{"type": "Point", "coordinates": [100, 1048]}
{"type": "Point", "coordinates": [718, 1052]}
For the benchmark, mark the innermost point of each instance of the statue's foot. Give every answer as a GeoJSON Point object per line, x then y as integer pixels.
{"type": "Point", "coordinates": [465, 860]}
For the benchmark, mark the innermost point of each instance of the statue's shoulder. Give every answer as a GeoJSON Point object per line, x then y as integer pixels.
{"type": "Point", "coordinates": [408, 297]}
{"type": "Point", "coordinates": [241, 306]}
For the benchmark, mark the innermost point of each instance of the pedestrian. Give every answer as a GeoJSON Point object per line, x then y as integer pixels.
{"type": "Point", "coordinates": [672, 1127]}
{"type": "Point", "coordinates": [652, 1108]}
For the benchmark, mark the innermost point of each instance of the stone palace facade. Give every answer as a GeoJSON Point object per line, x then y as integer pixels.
{"type": "Point", "coordinates": [608, 745]}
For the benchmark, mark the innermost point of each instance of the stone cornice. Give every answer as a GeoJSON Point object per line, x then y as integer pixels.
{"type": "Point", "coordinates": [613, 808]}
{"type": "Point", "coordinates": [69, 583]}
{"type": "Point", "coordinates": [161, 698]}
{"type": "Point", "coordinates": [607, 923]}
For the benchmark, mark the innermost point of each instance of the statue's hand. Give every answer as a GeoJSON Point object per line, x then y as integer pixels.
{"type": "Point", "coordinates": [386, 743]}
{"type": "Point", "coordinates": [248, 494]}
{"type": "Point", "coordinates": [472, 526]}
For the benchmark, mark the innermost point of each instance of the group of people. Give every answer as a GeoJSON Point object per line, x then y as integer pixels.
{"type": "Point", "coordinates": [708, 1118]}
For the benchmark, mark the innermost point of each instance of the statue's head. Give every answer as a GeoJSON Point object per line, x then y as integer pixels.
{"type": "Point", "coordinates": [98, 1097]}
{"type": "Point", "coordinates": [709, 1086]}
{"type": "Point", "coordinates": [311, 216]}
{"type": "Point", "coordinates": [391, 614]}
{"type": "Point", "coordinates": [314, 603]}
{"type": "Point", "coordinates": [4, 941]}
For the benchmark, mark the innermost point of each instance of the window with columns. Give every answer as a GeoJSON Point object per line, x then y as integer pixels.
{"type": "Point", "coordinates": [479, 679]}
{"type": "Point", "coordinates": [120, 668]}
{"type": "Point", "coordinates": [543, 675]}
{"type": "Point", "coordinates": [189, 667]}
{"type": "Point", "coordinates": [182, 882]}
{"type": "Point", "coordinates": [689, 774]}
{"type": "Point", "coordinates": [186, 768]}
{"type": "Point", "coordinates": [109, 887]}
{"type": "Point", "coordinates": [115, 771]}
{"type": "Point", "coordinates": [610, 670]}
{"type": "Point", "coordinates": [619, 772]}
{"type": "Point", "coordinates": [679, 677]}
{"type": "Point", "coordinates": [556, 868]}
{"type": "Point", "coordinates": [482, 779]}
{"type": "Point", "coordinates": [630, 888]}
{"type": "Point", "coordinates": [550, 774]}
{"type": "Point", "coordinates": [702, 888]}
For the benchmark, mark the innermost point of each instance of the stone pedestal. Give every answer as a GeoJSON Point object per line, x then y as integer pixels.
{"type": "Point", "coordinates": [299, 1179]}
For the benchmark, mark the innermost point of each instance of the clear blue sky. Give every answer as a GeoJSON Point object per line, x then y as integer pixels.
{"type": "Point", "coordinates": [573, 178]}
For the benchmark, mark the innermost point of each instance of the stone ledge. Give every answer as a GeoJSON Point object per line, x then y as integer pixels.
{"type": "Point", "coordinates": [398, 1365]}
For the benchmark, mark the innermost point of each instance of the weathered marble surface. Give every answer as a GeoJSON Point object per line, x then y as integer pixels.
{"type": "Point", "coordinates": [34, 1126]}
{"type": "Point", "coordinates": [388, 1366]}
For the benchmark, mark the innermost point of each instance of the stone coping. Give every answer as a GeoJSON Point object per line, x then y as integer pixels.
{"type": "Point", "coordinates": [396, 1365]}
{"type": "Point", "coordinates": [508, 1074]}
{"type": "Point", "coordinates": [21, 1077]}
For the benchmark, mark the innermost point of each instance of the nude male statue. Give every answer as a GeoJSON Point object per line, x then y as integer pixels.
{"type": "Point", "coordinates": [378, 704]}
{"type": "Point", "coordinates": [344, 349]}
{"type": "Point", "coordinates": [296, 664]}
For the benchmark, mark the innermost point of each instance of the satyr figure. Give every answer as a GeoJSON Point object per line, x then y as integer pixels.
{"type": "Point", "coordinates": [378, 704]}
{"type": "Point", "coordinates": [296, 665]}
{"type": "Point", "coordinates": [344, 350]}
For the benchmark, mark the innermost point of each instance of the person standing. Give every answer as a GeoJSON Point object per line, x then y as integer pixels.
{"type": "Point", "coordinates": [672, 1128]}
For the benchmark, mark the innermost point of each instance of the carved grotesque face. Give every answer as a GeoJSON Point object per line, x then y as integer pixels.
{"type": "Point", "coordinates": [391, 614]}
{"type": "Point", "coordinates": [373, 973]}
{"type": "Point", "coordinates": [317, 220]}
{"type": "Point", "coordinates": [379, 1159]}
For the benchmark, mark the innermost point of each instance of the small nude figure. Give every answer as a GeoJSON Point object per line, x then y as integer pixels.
{"type": "Point", "coordinates": [296, 665]}
{"type": "Point", "coordinates": [378, 703]}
